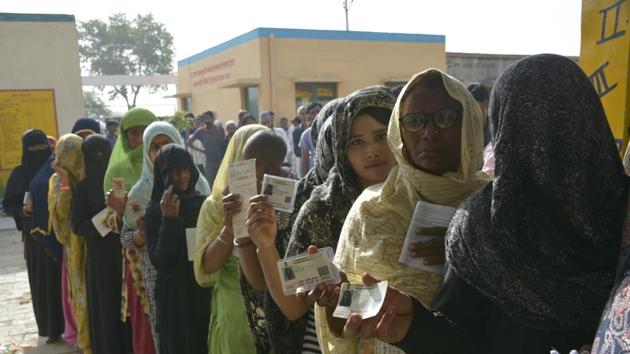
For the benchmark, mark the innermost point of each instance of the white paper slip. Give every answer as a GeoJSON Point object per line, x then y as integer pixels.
{"type": "Point", "coordinates": [358, 298]}
{"type": "Point", "coordinates": [118, 186]}
{"type": "Point", "coordinates": [305, 271]}
{"type": "Point", "coordinates": [191, 242]}
{"type": "Point", "coordinates": [242, 182]}
{"type": "Point", "coordinates": [27, 198]}
{"type": "Point", "coordinates": [425, 215]}
{"type": "Point", "coordinates": [99, 222]}
{"type": "Point", "coordinates": [281, 192]}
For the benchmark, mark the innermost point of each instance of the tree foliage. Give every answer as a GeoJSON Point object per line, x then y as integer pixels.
{"type": "Point", "coordinates": [180, 120]}
{"type": "Point", "coordinates": [94, 106]}
{"type": "Point", "coordinates": [141, 46]}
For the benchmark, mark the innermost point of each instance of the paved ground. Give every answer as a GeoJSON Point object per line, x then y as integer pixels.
{"type": "Point", "coordinates": [18, 332]}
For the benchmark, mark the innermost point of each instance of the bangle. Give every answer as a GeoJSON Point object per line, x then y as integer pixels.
{"type": "Point", "coordinates": [220, 239]}
{"type": "Point", "coordinates": [242, 244]}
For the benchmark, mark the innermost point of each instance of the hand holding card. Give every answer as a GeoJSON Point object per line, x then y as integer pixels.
{"type": "Point", "coordinates": [365, 300]}
{"type": "Point", "coordinates": [304, 272]}
{"type": "Point", "coordinates": [281, 192]}
{"type": "Point", "coordinates": [242, 182]}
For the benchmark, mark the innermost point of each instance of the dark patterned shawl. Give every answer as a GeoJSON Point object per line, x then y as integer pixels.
{"type": "Point", "coordinates": [266, 321]}
{"type": "Point", "coordinates": [320, 219]}
{"type": "Point", "coordinates": [542, 241]}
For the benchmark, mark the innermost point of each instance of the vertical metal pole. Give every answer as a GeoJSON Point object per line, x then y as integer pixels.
{"type": "Point", "coordinates": [345, 7]}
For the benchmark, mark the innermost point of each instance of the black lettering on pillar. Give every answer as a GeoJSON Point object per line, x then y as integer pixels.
{"type": "Point", "coordinates": [616, 32]}
{"type": "Point", "coordinates": [598, 79]}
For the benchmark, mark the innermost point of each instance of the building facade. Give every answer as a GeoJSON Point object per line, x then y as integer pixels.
{"type": "Point", "coordinates": [281, 69]}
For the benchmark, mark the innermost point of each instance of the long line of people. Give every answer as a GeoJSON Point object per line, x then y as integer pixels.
{"type": "Point", "coordinates": [530, 257]}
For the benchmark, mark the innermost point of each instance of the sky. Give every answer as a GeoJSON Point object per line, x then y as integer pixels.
{"type": "Point", "coordinates": [471, 26]}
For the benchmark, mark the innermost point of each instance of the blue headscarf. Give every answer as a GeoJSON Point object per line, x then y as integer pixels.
{"type": "Point", "coordinates": [40, 227]}
{"type": "Point", "coordinates": [140, 193]}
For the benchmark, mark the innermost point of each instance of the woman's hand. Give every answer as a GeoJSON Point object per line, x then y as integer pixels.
{"type": "Point", "coordinates": [432, 250]}
{"type": "Point", "coordinates": [262, 225]}
{"type": "Point", "coordinates": [325, 294]}
{"type": "Point", "coordinates": [138, 235]}
{"type": "Point", "coordinates": [390, 325]}
{"type": "Point", "coordinates": [27, 210]}
{"type": "Point", "coordinates": [169, 205]}
{"type": "Point", "coordinates": [116, 203]}
{"type": "Point", "coordinates": [231, 207]}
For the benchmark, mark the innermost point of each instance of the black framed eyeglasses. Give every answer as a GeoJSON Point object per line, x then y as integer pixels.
{"type": "Point", "coordinates": [443, 119]}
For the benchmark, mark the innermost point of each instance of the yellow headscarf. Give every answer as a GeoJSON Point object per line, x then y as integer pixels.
{"type": "Point", "coordinates": [70, 157]}
{"type": "Point", "coordinates": [372, 236]}
{"type": "Point", "coordinates": [210, 221]}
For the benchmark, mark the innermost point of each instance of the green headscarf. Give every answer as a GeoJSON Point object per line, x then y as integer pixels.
{"type": "Point", "coordinates": [127, 162]}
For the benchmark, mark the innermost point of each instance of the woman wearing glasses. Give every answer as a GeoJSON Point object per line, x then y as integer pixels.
{"type": "Point", "coordinates": [436, 136]}
{"type": "Point", "coordinates": [531, 258]}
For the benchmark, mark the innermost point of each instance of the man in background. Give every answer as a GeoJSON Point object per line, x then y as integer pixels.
{"type": "Point", "coordinates": [112, 131]}
{"type": "Point", "coordinates": [213, 145]}
{"type": "Point", "coordinates": [306, 144]}
{"type": "Point", "coordinates": [196, 148]}
{"type": "Point", "coordinates": [481, 95]}
{"type": "Point", "coordinates": [267, 119]}
{"type": "Point", "coordinates": [295, 140]}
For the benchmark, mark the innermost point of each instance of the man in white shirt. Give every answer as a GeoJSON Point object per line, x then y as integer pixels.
{"type": "Point", "coordinates": [266, 119]}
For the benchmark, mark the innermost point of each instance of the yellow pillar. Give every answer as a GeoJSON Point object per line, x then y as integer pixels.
{"type": "Point", "coordinates": [605, 58]}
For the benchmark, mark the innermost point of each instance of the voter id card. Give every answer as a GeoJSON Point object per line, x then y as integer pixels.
{"type": "Point", "coordinates": [281, 192]}
{"type": "Point", "coordinates": [365, 300]}
{"type": "Point", "coordinates": [305, 271]}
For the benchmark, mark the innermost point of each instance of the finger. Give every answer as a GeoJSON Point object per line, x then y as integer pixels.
{"type": "Point", "coordinates": [258, 208]}
{"type": "Point", "coordinates": [433, 260]}
{"type": "Point", "coordinates": [432, 243]}
{"type": "Point", "coordinates": [367, 329]}
{"type": "Point", "coordinates": [368, 279]}
{"type": "Point", "coordinates": [316, 296]}
{"type": "Point", "coordinates": [230, 197]}
{"type": "Point", "coordinates": [353, 325]}
{"type": "Point", "coordinates": [386, 325]}
{"type": "Point", "coordinates": [231, 205]}
{"type": "Point", "coordinates": [431, 231]}
{"type": "Point", "coordinates": [261, 198]}
{"type": "Point", "coordinates": [312, 249]}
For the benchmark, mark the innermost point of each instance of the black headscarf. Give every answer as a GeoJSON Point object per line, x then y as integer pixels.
{"type": "Point", "coordinates": [282, 333]}
{"type": "Point", "coordinates": [96, 152]}
{"type": "Point", "coordinates": [32, 161]}
{"type": "Point", "coordinates": [172, 156]}
{"type": "Point", "coordinates": [542, 241]}
{"type": "Point", "coordinates": [83, 124]}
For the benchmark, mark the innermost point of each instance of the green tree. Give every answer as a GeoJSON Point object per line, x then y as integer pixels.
{"type": "Point", "coordinates": [141, 46]}
{"type": "Point", "coordinates": [94, 106]}
{"type": "Point", "coordinates": [180, 120]}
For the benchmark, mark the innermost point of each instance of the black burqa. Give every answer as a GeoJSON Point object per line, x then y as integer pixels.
{"type": "Point", "coordinates": [183, 307]}
{"type": "Point", "coordinates": [542, 243]}
{"type": "Point", "coordinates": [531, 258]}
{"type": "Point", "coordinates": [104, 257]}
{"type": "Point", "coordinates": [44, 268]}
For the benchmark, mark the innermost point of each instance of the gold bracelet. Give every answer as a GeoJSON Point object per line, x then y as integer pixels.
{"type": "Point", "coordinates": [223, 241]}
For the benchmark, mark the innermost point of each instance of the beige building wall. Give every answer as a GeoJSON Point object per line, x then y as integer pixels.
{"type": "Point", "coordinates": [42, 52]}
{"type": "Point", "coordinates": [351, 64]}
{"type": "Point", "coordinates": [215, 79]}
{"type": "Point", "coordinates": [215, 82]}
